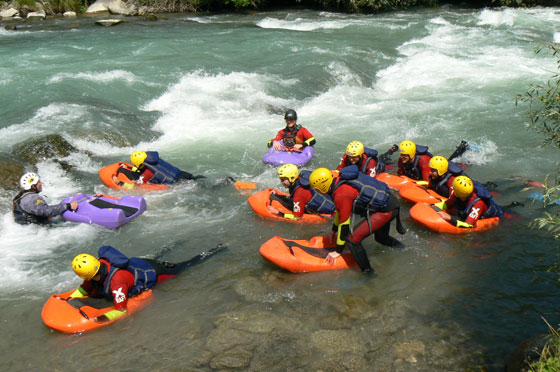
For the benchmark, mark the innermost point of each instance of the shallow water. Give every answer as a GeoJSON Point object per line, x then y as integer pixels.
{"type": "Point", "coordinates": [207, 92]}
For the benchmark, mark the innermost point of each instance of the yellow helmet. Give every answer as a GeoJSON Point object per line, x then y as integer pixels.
{"type": "Point", "coordinates": [289, 171]}
{"type": "Point", "coordinates": [138, 157]}
{"type": "Point", "coordinates": [407, 148]}
{"type": "Point", "coordinates": [321, 179]}
{"type": "Point", "coordinates": [355, 148]}
{"type": "Point", "coordinates": [440, 164]}
{"type": "Point", "coordinates": [85, 266]}
{"type": "Point", "coordinates": [463, 186]}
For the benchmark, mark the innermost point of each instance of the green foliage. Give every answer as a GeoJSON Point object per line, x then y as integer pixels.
{"type": "Point", "coordinates": [242, 3]}
{"type": "Point", "coordinates": [550, 356]}
{"type": "Point", "coordinates": [61, 6]}
{"type": "Point", "coordinates": [29, 3]}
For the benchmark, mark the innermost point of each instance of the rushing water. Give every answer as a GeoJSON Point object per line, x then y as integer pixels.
{"type": "Point", "coordinates": [207, 92]}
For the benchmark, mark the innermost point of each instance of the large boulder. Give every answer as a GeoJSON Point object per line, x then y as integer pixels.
{"type": "Point", "coordinates": [11, 171]}
{"type": "Point", "coordinates": [52, 146]}
{"type": "Point", "coordinates": [128, 8]}
{"type": "Point", "coordinates": [37, 15]}
{"type": "Point", "coordinates": [8, 13]}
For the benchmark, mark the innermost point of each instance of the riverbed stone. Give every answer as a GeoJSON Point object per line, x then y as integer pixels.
{"type": "Point", "coordinates": [258, 322]}
{"type": "Point", "coordinates": [410, 351]}
{"type": "Point", "coordinates": [222, 339]}
{"type": "Point", "coordinates": [235, 358]}
{"type": "Point", "coordinates": [69, 14]}
{"type": "Point", "coordinates": [345, 341]}
{"type": "Point", "coordinates": [108, 22]}
{"type": "Point", "coordinates": [123, 8]}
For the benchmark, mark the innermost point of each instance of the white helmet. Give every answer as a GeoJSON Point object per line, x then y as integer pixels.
{"type": "Point", "coordinates": [28, 180]}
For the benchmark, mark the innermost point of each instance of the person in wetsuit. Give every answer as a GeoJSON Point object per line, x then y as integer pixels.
{"type": "Point", "coordinates": [118, 277]}
{"type": "Point", "coordinates": [302, 198]}
{"type": "Point", "coordinates": [30, 207]}
{"type": "Point", "coordinates": [414, 161]}
{"type": "Point", "coordinates": [354, 192]}
{"type": "Point", "coordinates": [150, 168]}
{"type": "Point", "coordinates": [364, 158]}
{"type": "Point", "coordinates": [468, 202]}
{"type": "Point", "coordinates": [294, 136]}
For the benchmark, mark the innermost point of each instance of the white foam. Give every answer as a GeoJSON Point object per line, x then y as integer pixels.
{"type": "Point", "coordinates": [299, 24]}
{"type": "Point", "coordinates": [97, 77]}
{"type": "Point", "coordinates": [497, 17]}
{"type": "Point", "coordinates": [216, 107]}
{"type": "Point", "coordinates": [53, 118]}
{"type": "Point", "coordinates": [556, 38]}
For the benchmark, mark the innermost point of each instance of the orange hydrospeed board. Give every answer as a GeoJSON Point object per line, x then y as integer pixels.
{"type": "Point", "coordinates": [300, 256]}
{"type": "Point", "coordinates": [415, 193]}
{"type": "Point", "coordinates": [106, 174]}
{"type": "Point", "coordinates": [74, 315]}
{"type": "Point", "coordinates": [394, 181]}
{"type": "Point", "coordinates": [428, 216]}
{"type": "Point", "coordinates": [261, 200]}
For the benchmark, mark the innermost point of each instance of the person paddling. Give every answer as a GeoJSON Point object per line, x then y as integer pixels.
{"type": "Point", "coordinates": [294, 136]}
{"type": "Point", "coordinates": [413, 161]}
{"type": "Point", "coordinates": [118, 277]}
{"type": "Point", "coordinates": [30, 207]}
{"type": "Point", "coordinates": [150, 168]}
{"type": "Point", "coordinates": [364, 158]}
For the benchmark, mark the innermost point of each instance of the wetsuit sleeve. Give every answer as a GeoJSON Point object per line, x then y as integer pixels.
{"type": "Point", "coordinates": [308, 139]}
{"type": "Point", "coordinates": [131, 174]}
{"type": "Point", "coordinates": [400, 170]}
{"type": "Point", "coordinates": [300, 199]}
{"type": "Point", "coordinates": [424, 166]}
{"type": "Point", "coordinates": [279, 136]}
{"type": "Point", "coordinates": [36, 205]}
{"type": "Point", "coordinates": [80, 292]}
{"type": "Point", "coordinates": [120, 285]}
{"type": "Point", "coordinates": [343, 202]}
{"type": "Point", "coordinates": [371, 169]}
{"type": "Point", "coordinates": [477, 210]}
{"type": "Point", "coordinates": [342, 163]}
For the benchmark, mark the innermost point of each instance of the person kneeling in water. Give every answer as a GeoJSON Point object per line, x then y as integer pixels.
{"type": "Point", "coordinates": [150, 168]}
{"type": "Point", "coordinates": [116, 276]}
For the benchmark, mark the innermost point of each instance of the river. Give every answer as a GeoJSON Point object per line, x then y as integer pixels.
{"type": "Point", "coordinates": [207, 92]}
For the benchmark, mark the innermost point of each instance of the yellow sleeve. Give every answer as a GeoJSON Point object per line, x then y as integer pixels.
{"type": "Point", "coordinates": [80, 292]}
{"type": "Point", "coordinates": [113, 314]}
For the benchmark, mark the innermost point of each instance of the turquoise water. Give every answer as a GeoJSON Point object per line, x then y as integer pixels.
{"type": "Point", "coordinates": [207, 92]}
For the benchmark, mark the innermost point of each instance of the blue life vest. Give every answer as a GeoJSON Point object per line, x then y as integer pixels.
{"type": "Point", "coordinates": [145, 276]}
{"type": "Point", "coordinates": [372, 194]}
{"type": "Point", "coordinates": [453, 170]}
{"type": "Point", "coordinates": [163, 171]}
{"type": "Point", "coordinates": [319, 203]}
{"type": "Point", "coordinates": [372, 154]}
{"type": "Point", "coordinates": [483, 194]}
{"type": "Point", "coordinates": [413, 171]}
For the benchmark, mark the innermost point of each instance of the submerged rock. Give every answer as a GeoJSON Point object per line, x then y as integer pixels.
{"type": "Point", "coordinates": [11, 171]}
{"type": "Point", "coordinates": [52, 146]}
{"type": "Point", "coordinates": [529, 351]}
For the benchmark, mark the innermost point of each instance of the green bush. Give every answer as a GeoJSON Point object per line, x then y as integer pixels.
{"type": "Point", "coordinates": [61, 6]}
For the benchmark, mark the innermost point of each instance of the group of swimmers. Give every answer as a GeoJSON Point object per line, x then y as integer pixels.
{"type": "Point", "coordinates": [353, 189]}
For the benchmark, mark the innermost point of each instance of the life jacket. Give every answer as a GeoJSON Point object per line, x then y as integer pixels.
{"type": "Point", "coordinates": [372, 154]}
{"type": "Point", "coordinates": [412, 171]}
{"type": "Point", "coordinates": [372, 194]}
{"type": "Point", "coordinates": [21, 216]}
{"type": "Point", "coordinates": [453, 170]}
{"type": "Point", "coordinates": [290, 135]}
{"type": "Point", "coordinates": [482, 193]}
{"type": "Point", "coordinates": [162, 170]}
{"type": "Point", "coordinates": [145, 276]}
{"type": "Point", "coordinates": [319, 203]}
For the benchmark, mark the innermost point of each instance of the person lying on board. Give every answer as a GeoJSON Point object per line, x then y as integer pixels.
{"type": "Point", "coordinates": [442, 174]}
{"type": "Point", "coordinates": [413, 161]}
{"type": "Point", "coordinates": [116, 276]}
{"type": "Point", "coordinates": [302, 198]}
{"type": "Point", "coordinates": [30, 207]}
{"type": "Point", "coordinates": [354, 192]}
{"type": "Point", "coordinates": [363, 157]}
{"type": "Point", "coordinates": [150, 168]}
{"type": "Point", "coordinates": [294, 136]}
{"type": "Point", "coordinates": [468, 202]}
